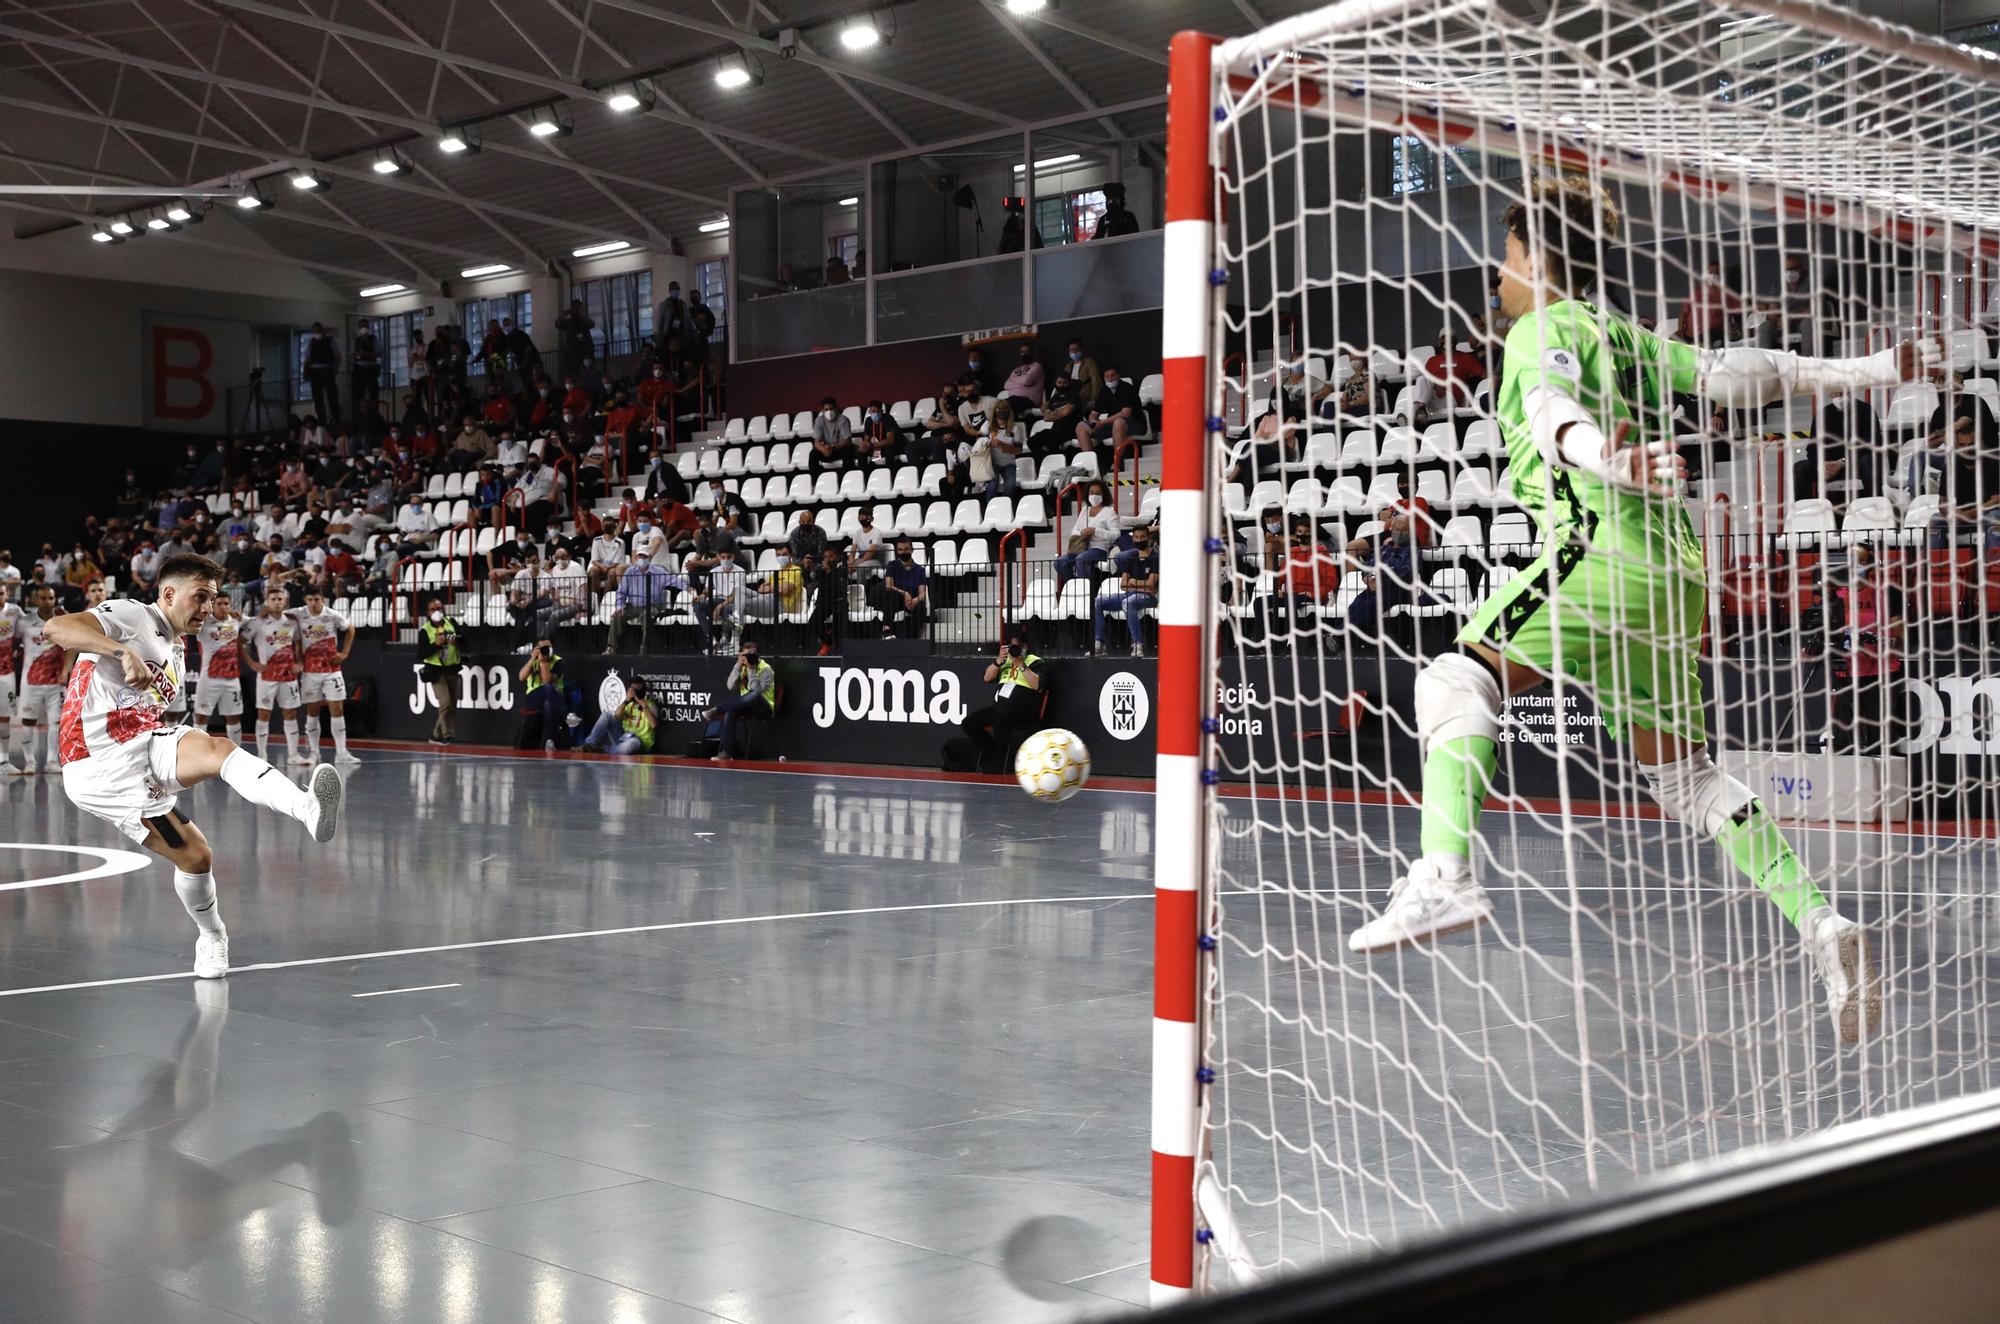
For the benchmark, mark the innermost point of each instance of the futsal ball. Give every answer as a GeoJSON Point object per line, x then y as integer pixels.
{"type": "Point", "coordinates": [1052, 764]}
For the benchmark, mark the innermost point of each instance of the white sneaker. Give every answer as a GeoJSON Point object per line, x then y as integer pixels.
{"type": "Point", "coordinates": [302, 758]}
{"type": "Point", "coordinates": [1840, 957]}
{"type": "Point", "coordinates": [211, 955]}
{"type": "Point", "coordinates": [326, 791]}
{"type": "Point", "coordinates": [1424, 903]}
{"type": "Point", "coordinates": [344, 757]}
{"type": "Point", "coordinates": [28, 771]}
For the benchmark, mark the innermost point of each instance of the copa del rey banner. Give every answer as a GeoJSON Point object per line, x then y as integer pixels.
{"type": "Point", "coordinates": [188, 364]}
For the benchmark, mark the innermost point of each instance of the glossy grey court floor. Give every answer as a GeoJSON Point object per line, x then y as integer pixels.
{"type": "Point", "coordinates": [583, 1041]}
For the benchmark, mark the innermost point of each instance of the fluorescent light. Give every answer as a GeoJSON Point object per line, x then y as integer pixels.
{"type": "Point", "coordinates": [459, 138]}
{"type": "Point", "coordinates": [1051, 162]}
{"type": "Point", "coordinates": [250, 202]}
{"type": "Point", "coordinates": [452, 144]}
{"type": "Point", "coordinates": [545, 128]}
{"type": "Point", "coordinates": [637, 95]}
{"type": "Point", "coordinates": [160, 223]}
{"type": "Point", "coordinates": [711, 227]}
{"type": "Point", "coordinates": [391, 162]}
{"type": "Point", "coordinates": [848, 202]}
{"type": "Point", "coordinates": [860, 33]}
{"type": "Point", "coordinates": [734, 69]}
{"type": "Point", "coordinates": [304, 180]}
{"type": "Point", "coordinates": [385, 167]}
{"type": "Point", "coordinates": [377, 291]}
{"type": "Point", "coordinates": [622, 101]}
{"type": "Point", "coordinates": [104, 237]}
{"type": "Point", "coordinates": [122, 227]}
{"type": "Point", "coordinates": [550, 121]}
{"type": "Point", "coordinates": [180, 211]}
{"type": "Point", "coordinates": [490, 269]}
{"type": "Point", "coordinates": [1026, 6]}
{"type": "Point", "coordinates": [599, 250]}
{"type": "Point", "coordinates": [732, 77]}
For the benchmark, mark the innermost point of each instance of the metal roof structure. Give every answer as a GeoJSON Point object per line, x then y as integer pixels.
{"type": "Point", "coordinates": [189, 96]}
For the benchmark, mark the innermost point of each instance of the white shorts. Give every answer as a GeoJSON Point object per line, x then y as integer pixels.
{"type": "Point", "coordinates": [281, 694]}
{"type": "Point", "coordinates": [223, 695]}
{"type": "Point", "coordinates": [6, 697]}
{"type": "Point", "coordinates": [41, 703]}
{"type": "Point", "coordinates": [323, 687]}
{"type": "Point", "coordinates": [131, 784]}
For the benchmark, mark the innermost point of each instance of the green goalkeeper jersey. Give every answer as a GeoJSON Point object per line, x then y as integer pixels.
{"type": "Point", "coordinates": [1616, 371]}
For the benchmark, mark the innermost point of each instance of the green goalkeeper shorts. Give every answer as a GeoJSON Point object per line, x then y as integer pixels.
{"type": "Point", "coordinates": [1631, 632]}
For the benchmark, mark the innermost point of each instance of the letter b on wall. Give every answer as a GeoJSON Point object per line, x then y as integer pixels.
{"type": "Point", "coordinates": [191, 363]}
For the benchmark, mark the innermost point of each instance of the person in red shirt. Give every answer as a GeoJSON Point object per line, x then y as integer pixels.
{"type": "Point", "coordinates": [544, 410]}
{"type": "Point", "coordinates": [1450, 374]}
{"type": "Point", "coordinates": [575, 399]}
{"type": "Point", "coordinates": [679, 523]}
{"type": "Point", "coordinates": [1312, 573]}
{"type": "Point", "coordinates": [651, 391]}
{"type": "Point", "coordinates": [498, 410]}
{"type": "Point", "coordinates": [621, 417]}
{"type": "Point", "coordinates": [342, 570]}
{"type": "Point", "coordinates": [631, 510]}
{"type": "Point", "coordinates": [1414, 509]}
{"type": "Point", "coordinates": [425, 446]}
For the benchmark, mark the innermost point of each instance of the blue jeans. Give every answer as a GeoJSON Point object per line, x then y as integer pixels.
{"type": "Point", "coordinates": [1365, 612]}
{"type": "Point", "coordinates": [1074, 565]}
{"type": "Point", "coordinates": [609, 735]}
{"type": "Point", "coordinates": [548, 700]}
{"type": "Point", "coordinates": [1130, 605]}
{"type": "Point", "coordinates": [722, 727]}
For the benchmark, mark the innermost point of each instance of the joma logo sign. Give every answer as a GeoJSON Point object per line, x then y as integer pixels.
{"type": "Point", "coordinates": [479, 688]}
{"type": "Point", "coordinates": [1960, 715]}
{"type": "Point", "coordinates": [886, 694]}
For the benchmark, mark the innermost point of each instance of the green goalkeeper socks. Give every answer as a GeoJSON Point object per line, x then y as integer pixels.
{"type": "Point", "coordinates": [1759, 849]}
{"type": "Point", "coordinates": [1456, 775]}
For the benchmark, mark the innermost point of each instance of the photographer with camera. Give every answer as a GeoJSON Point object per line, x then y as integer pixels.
{"type": "Point", "coordinates": [629, 728]}
{"type": "Point", "coordinates": [1016, 711]}
{"type": "Point", "coordinates": [543, 703]}
{"type": "Point", "coordinates": [752, 686]}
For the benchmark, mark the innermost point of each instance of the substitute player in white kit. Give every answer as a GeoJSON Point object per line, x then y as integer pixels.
{"type": "Point", "coordinates": [327, 638]}
{"type": "Point", "coordinates": [41, 682]}
{"type": "Point", "coordinates": [121, 764]}
{"type": "Point", "coordinates": [270, 644]}
{"type": "Point", "coordinates": [220, 686]}
{"type": "Point", "coordinates": [10, 622]}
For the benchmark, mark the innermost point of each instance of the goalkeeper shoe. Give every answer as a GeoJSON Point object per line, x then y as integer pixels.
{"type": "Point", "coordinates": [1841, 958]}
{"type": "Point", "coordinates": [1427, 902]}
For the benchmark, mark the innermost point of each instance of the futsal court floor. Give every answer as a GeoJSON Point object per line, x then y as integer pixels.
{"type": "Point", "coordinates": [563, 1039]}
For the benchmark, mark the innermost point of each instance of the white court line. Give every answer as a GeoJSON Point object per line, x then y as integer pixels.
{"type": "Point", "coordinates": [565, 937]}
{"type": "Point", "coordinates": [110, 864]}
{"type": "Point", "coordinates": [420, 988]}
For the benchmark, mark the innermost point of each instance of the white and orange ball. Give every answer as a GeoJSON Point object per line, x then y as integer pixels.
{"type": "Point", "coordinates": [1052, 764]}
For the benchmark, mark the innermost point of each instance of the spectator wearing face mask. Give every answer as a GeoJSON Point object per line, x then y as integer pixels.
{"type": "Point", "coordinates": [832, 440]}
{"type": "Point", "coordinates": [608, 559]}
{"type": "Point", "coordinates": [644, 589]}
{"type": "Point", "coordinates": [752, 695]}
{"type": "Point", "coordinates": [292, 482]}
{"type": "Point", "coordinates": [940, 430]}
{"type": "Point", "coordinates": [628, 728]}
{"type": "Point", "coordinates": [652, 394]}
{"type": "Point", "coordinates": [1091, 538]}
{"type": "Point", "coordinates": [1026, 384]}
{"type": "Point", "coordinates": [1448, 378]}
{"type": "Point", "coordinates": [537, 486]}
{"type": "Point", "coordinates": [1312, 573]}
{"type": "Point", "coordinates": [1798, 318]}
{"type": "Point", "coordinates": [511, 453]}
{"type": "Point", "coordinates": [880, 441]}
{"type": "Point", "coordinates": [997, 729]}
{"type": "Point", "coordinates": [663, 479]}
{"type": "Point", "coordinates": [1391, 565]}
{"type": "Point", "coordinates": [1084, 373]}
{"type": "Point", "coordinates": [145, 567]}
{"type": "Point", "coordinates": [648, 537]}
{"type": "Point", "coordinates": [1138, 588]}
{"type": "Point", "coordinates": [1007, 442]}
{"type": "Point", "coordinates": [904, 591]}
{"type": "Point", "coordinates": [1112, 414]}
{"type": "Point", "coordinates": [415, 529]}
{"type": "Point", "coordinates": [1062, 410]}
{"type": "Point", "coordinates": [440, 667]}
{"type": "Point", "coordinates": [678, 524]}
{"type": "Point", "coordinates": [472, 446]}
{"type": "Point", "coordinates": [975, 373]}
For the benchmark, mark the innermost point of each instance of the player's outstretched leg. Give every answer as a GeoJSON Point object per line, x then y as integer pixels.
{"type": "Point", "coordinates": [1458, 703]}
{"type": "Point", "coordinates": [1698, 793]}
{"type": "Point", "coordinates": [316, 805]}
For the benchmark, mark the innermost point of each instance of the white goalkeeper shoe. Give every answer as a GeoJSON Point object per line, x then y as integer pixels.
{"type": "Point", "coordinates": [1427, 902]}
{"type": "Point", "coordinates": [1841, 958]}
{"type": "Point", "coordinates": [211, 955]}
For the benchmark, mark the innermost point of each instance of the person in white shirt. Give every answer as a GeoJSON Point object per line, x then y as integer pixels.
{"type": "Point", "coordinates": [326, 638]}
{"type": "Point", "coordinates": [266, 526]}
{"type": "Point", "coordinates": [121, 765]}
{"type": "Point", "coordinates": [566, 587]}
{"type": "Point", "coordinates": [10, 624]}
{"type": "Point", "coordinates": [537, 486]}
{"type": "Point", "coordinates": [270, 647]}
{"type": "Point", "coordinates": [145, 566]}
{"type": "Point", "coordinates": [512, 453]}
{"type": "Point", "coordinates": [607, 562]}
{"type": "Point", "coordinates": [415, 528]}
{"type": "Point", "coordinates": [42, 664]}
{"type": "Point", "coordinates": [648, 539]}
{"type": "Point", "coordinates": [219, 687]}
{"type": "Point", "coordinates": [10, 574]}
{"type": "Point", "coordinates": [1091, 538]}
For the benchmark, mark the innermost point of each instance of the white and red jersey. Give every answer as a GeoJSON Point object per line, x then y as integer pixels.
{"type": "Point", "coordinates": [219, 658]}
{"type": "Point", "coordinates": [320, 636]}
{"type": "Point", "coordinates": [100, 711]}
{"type": "Point", "coordinates": [276, 640]}
{"type": "Point", "coordinates": [42, 661]}
{"type": "Point", "coordinates": [10, 625]}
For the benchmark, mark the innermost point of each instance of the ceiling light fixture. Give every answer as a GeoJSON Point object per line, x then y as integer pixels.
{"type": "Point", "coordinates": [637, 95]}
{"type": "Point", "coordinates": [848, 202]}
{"type": "Point", "coordinates": [713, 227]}
{"type": "Point", "coordinates": [490, 269]}
{"type": "Point", "coordinates": [457, 139]}
{"type": "Point", "coordinates": [186, 212]}
{"type": "Point", "coordinates": [863, 31]}
{"type": "Point", "coordinates": [254, 198]}
{"type": "Point", "coordinates": [160, 224]}
{"type": "Point", "coordinates": [123, 228]}
{"type": "Point", "coordinates": [100, 235]}
{"type": "Point", "coordinates": [1027, 6]}
{"type": "Point", "coordinates": [551, 121]}
{"type": "Point", "coordinates": [377, 291]}
{"type": "Point", "coordinates": [1052, 162]}
{"type": "Point", "coordinates": [389, 161]}
{"type": "Point", "coordinates": [734, 69]}
{"type": "Point", "coordinates": [599, 250]}
{"type": "Point", "coordinates": [307, 180]}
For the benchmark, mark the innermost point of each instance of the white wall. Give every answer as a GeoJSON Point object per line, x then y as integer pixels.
{"type": "Point", "coordinates": [72, 311]}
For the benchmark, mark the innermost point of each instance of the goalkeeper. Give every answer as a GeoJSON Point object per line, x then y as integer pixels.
{"type": "Point", "coordinates": [1616, 601]}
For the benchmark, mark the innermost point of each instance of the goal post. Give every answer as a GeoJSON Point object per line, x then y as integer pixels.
{"type": "Point", "coordinates": [1335, 190]}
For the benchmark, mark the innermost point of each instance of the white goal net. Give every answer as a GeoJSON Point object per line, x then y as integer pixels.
{"type": "Point", "coordinates": [1782, 179]}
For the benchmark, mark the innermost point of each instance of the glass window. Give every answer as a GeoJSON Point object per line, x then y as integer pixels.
{"type": "Point", "coordinates": [622, 308]}
{"type": "Point", "coordinates": [1083, 173]}
{"type": "Point", "coordinates": [474, 314]}
{"type": "Point", "coordinates": [1417, 167]}
{"type": "Point", "coordinates": [301, 389]}
{"type": "Point", "coordinates": [844, 247]}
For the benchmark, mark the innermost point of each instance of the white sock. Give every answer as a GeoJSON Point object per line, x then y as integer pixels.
{"type": "Point", "coordinates": [339, 725]}
{"type": "Point", "coordinates": [18, 743]}
{"type": "Point", "coordinates": [235, 730]}
{"type": "Point", "coordinates": [263, 737]}
{"type": "Point", "coordinates": [197, 892]}
{"type": "Point", "coordinates": [292, 736]}
{"type": "Point", "coordinates": [261, 784]}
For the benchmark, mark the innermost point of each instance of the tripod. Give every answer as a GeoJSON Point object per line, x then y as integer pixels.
{"type": "Point", "coordinates": [257, 416]}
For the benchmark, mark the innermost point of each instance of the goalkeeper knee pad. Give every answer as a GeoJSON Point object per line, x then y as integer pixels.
{"type": "Point", "coordinates": [1698, 793]}
{"type": "Point", "coordinates": [1457, 697]}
